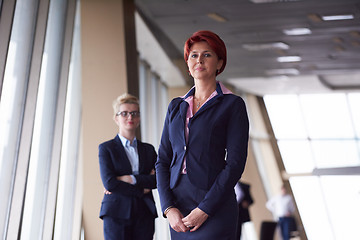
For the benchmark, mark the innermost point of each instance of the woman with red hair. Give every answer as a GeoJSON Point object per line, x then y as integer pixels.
{"type": "Point", "coordinates": [203, 148]}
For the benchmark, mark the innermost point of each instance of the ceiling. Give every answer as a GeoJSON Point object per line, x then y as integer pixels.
{"type": "Point", "coordinates": [253, 31]}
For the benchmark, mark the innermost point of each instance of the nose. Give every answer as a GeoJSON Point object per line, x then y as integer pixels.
{"type": "Point", "coordinates": [200, 59]}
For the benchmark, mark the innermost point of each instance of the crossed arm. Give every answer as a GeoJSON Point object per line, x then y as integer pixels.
{"type": "Point", "coordinates": [129, 179]}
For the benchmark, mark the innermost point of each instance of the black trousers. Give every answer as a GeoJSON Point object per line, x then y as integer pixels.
{"type": "Point", "coordinates": [141, 225]}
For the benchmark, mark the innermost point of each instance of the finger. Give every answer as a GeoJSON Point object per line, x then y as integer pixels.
{"type": "Point", "coordinates": [193, 229]}
{"type": "Point", "coordinates": [184, 228]}
{"type": "Point", "coordinates": [186, 223]}
{"type": "Point", "coordinates": [180, 228]}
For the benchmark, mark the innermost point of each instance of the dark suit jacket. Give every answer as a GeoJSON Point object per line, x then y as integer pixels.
{"type": "Point", "coordinates": [219, 129]}
{"type": "Point", "coordinates": [244, 215]}
{"type": "Point", "coordinates": [114, 162]}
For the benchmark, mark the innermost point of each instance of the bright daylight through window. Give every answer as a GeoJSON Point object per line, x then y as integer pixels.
{"type": "Point", "coordinates": [319, 140]}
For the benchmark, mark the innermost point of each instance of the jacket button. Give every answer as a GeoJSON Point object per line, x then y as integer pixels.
{"type": "Point", "coordinates": [185, 148]}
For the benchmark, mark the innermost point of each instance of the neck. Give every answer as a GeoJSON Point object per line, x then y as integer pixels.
{"type": "Point", "coordinates": [204, 90]}
{"type": "Point", "coordinates": [129, 135]}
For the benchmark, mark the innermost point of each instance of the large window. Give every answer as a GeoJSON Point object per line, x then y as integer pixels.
{"type": "Point", "coordinates": [40, 116]}
{"type": "Point", "coordinates": [319, 141]}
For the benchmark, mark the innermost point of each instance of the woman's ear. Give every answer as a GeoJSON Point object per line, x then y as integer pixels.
{"type": "Point", "coordinates": [220, 64]}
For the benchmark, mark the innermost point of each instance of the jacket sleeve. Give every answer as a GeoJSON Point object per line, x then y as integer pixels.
{"type": "Point", "coordinates": [162, 166]}
{"type": "Point", "coordinates": [236, 146]}
{"type": "Point", "coordinates": [108, 175]}
{"type": "Point", "coordinates": [145, 179]}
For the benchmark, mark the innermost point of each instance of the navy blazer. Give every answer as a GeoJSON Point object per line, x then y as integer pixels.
{"type": "Point", "coordinates": [114, 162]}
{"type": "Point", "coordinates": [244, 215]}
{"type": "Point", "coordinates": [216, 151]}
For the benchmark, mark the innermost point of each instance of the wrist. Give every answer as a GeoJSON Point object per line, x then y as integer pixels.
{"type": "Point", "coordinates": [133, 179]}
{"type": "Point", "coordinates": [167, 210]}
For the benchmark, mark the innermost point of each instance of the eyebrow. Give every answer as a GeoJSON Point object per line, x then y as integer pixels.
{"type": "Point", "coordinates": [194, 51]}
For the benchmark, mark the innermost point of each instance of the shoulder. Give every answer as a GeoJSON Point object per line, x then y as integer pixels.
{"type": "Point", "coordinates": [174, 107]}
{"type": "Point", "coordinates": [231, 102]}
{"type": "Point", "coordinates": [233, 98]}
{"type": "Point", "coordinates": [145, 145]}
{"type": "Point", "coordinates": [146, 148]}
{"type": "Point", "coordinates": [108, 143]}
{"type": "Point", "coordinates": [175, 102]}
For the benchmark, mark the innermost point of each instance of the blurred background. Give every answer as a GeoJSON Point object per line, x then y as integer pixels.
{"type": "Point", "coordinates": [296, 63]}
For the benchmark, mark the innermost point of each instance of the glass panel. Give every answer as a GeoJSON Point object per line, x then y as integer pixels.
{"type": "Point", "coordinates": [342, 195]}
{"type": "Point", "coordinates": [41, 148]}
{"type": "Point", "coordinates": [330, 154]}
{"type": "Point", "coordinates": [12, 99]}
{"type": "Point", "coordinates": [297, 156]}
{"type": "Point", "coordinates": [66, 211]}
{"type": "Point", "coordinates": [327, 116]}
{"type": "Point", "coordinates": [310, 202]}
{"type": "Point", "coordinates": [285, 116]}
{"type": "Point", "coordinates": [354, 102]}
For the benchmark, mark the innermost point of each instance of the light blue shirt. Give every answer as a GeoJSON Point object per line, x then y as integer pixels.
{"type": "Point", "coordinates": [132, 154]}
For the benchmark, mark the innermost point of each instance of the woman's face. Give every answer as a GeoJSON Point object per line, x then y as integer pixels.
{"type": "Point", "coordinates": [203, 61]}
{"type": "Point", "coordinates": [125, 120]}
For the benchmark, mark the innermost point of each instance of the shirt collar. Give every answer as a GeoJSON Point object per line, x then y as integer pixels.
{"type": "Point", "coordinates": [126, 142]}
{"type": "Point", "coordinates": [220, 89]}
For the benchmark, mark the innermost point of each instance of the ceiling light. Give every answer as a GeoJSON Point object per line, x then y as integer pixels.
{"type": "Point", "coordinates": [284, 71]}
{"type": "Point", "coordinates": [216, 17]}
{"type": "Point", "coordinates": [337, 17]}
{"type": "Point", "coordinates": [289, 59]}
{"type": "Point", "coordinates": [297, 31]}
{"type": "Point", "coordinates": [340, 81]}
{"type": "Point", "coordinates": [265, 46]}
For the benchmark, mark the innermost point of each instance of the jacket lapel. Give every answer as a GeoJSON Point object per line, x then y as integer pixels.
{"type": "Point", "coordinates": [124, 160]}
{"type": "Point", "coordinates": [141, 154]}
{"type": "Point", "coordinates": [184, 105]}
{"type": "Point", "coordinates": [183, 110]}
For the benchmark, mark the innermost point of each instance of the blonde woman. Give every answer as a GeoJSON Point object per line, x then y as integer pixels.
{"type": "Point", "coordinates": [127, 172]}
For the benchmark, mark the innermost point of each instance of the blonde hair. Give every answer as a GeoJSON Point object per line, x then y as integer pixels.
{"type": "Point", "coordinates": [125, 98]}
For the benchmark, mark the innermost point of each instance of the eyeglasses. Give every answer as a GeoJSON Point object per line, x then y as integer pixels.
{"type": "Point", "coordinates": [126, 114]}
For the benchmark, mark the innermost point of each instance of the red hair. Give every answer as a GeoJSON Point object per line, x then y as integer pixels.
{"type": "Point", "coordinates": [214, 41]}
